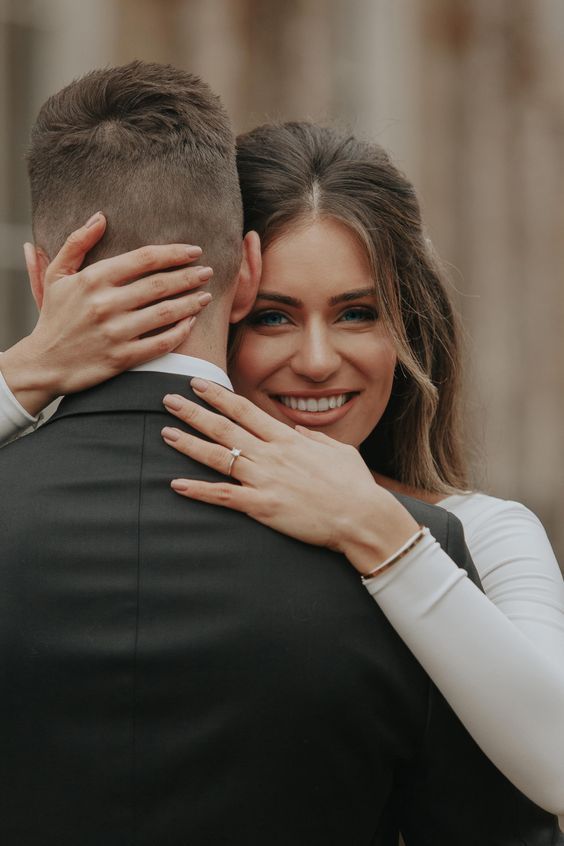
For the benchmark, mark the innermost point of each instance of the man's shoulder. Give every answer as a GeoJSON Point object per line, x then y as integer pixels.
{"type": "Point", "coordinates": [445, 527]}
{"type": "Point", "coordinates": [437, 519]}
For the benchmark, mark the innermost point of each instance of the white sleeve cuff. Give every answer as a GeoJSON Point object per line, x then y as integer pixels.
{"type": "Point", "coordinates": [425, 576]}
{"type": "Point", "coordinates": [14, 419]}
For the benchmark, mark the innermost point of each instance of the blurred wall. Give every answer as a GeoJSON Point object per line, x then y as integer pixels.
{"type": "Point", "coordinates": [467, 94]}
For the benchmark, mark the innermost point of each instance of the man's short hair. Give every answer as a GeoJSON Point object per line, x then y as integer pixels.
{"type": "Point", "coordinates": [149, 145]}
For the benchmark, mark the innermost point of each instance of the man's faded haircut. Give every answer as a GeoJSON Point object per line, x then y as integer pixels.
{"type": "Point", "coordinates": [152, 147]}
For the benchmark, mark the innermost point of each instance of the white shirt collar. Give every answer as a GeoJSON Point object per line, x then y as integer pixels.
{"type": "Point", "coordinates": [186, 365]}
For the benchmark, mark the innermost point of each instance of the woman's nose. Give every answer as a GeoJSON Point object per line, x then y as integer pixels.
{"type": "Point", "coordinates": [317, 358]}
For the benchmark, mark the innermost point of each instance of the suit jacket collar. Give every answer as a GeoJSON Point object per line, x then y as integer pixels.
{"type": "Point", "coordinates": [131, 391]}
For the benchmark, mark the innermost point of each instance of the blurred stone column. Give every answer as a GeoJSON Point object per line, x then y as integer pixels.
{"type": "Point", "coordinates": [43, 46]}
{"type": "Point", "coordinates": [375, 68]}
{"type": "Point", "coordinates": [266, 59]}
{"type": "Point", "coordinates": [493, 129]}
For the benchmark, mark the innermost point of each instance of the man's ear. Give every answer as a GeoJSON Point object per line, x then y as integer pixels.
{"type": "Point", "coordinates": [36, 262]}
{"type": "Point", "coordinates": [248, 280]}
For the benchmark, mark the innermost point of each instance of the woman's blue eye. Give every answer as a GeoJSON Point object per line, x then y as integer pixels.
{"type": "Point", "coordinates": [268, 318]}
{"type": "Point", "coordinates": [357, 314]}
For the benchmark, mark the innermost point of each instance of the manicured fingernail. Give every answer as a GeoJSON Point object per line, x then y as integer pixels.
{"type": "Point", "coordinates": [191, 322]}
{"type": "Point", "coordinates": [194, 252]}
{"type": "Point", "coordinates": [94, 219]}
{"type": "Point", "coordinates": [170, 434]}
{"type": "Point", "coordinates": [204, 273]}
{"type": "Point", "coordinates": [179, 485]}
{"type": "Point", "coordinates": [199, 385]}
{"type": "Point", "coordinates": [204, 298]}
{"type": "Point", "coordinates": [173, 401]}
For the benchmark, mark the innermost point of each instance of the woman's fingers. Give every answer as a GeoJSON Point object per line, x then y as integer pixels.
{"type": "Point", "coordinates": [151, 289]}
{"type": "Point", "coordinates": [320, 437]}
{"type": "Point", "coordinates": [214, 426]}
{"type": "Point", "coordinates": [218, 493]}
{"type": "Point", "coordinates": [151, 303]}
{"type": "Point", "coordinates": [118, 270]}
{"type": "Point", "coordinates": [242, 410]}
{"type": "Point", "coordinates": [149, 319]}
{"type": "Point", "coordinates": [70, 257]}
{"type": "Point", "coordinates": [213, 455]}
{"type": "Point", "coordinates": [140, 350]}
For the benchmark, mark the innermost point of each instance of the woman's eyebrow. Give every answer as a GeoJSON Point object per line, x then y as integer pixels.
{"type": "Point", "coordinates": [279, 298]}
{"type": "Point", "coordinates": [357, 294]}
{"type": "Point", "coordinates": [346, 297]}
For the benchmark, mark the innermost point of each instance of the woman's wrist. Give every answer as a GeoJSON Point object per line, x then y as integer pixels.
{"type": "Point", "coordinates": [375, 534]}
{"type": "Point", "coordinates": [32, 382]}
{"type": "Point", "coordinates": [402, 551]}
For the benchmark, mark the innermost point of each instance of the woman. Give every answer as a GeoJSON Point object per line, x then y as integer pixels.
{"type": "Point", "coordinates": [352, 336]}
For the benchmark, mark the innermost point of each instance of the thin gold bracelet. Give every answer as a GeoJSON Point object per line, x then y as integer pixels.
{"type": "Point", "coordinates": [397, 556]}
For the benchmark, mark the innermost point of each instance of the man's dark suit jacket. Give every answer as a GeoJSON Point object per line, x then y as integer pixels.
{"type": "Point", "coordinates": [175, 674]}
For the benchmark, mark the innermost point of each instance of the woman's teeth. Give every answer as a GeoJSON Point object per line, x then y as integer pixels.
{"type": "Point", "coordinates": [312, 404]}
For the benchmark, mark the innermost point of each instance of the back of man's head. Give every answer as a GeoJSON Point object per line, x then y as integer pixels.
{"type": "Point", "coordinates": [152, 147]}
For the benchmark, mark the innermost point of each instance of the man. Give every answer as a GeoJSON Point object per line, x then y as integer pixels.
{"type": "Point", "coordinates": [173, 673]}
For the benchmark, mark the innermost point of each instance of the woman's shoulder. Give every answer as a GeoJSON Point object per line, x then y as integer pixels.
{"type": "Point", "coordinates": [484, 517]}
{"type": "Point", "coordinates": [490, 522]}
{"type": "Point", "coordinates": [475, 507]}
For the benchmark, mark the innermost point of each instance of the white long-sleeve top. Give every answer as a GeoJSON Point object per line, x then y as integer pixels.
{"type": "Point", "coordinates": [498, 657]}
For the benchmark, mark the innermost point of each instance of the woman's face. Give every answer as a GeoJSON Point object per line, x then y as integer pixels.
{"type": "Point", "coordinates": [313, 350]}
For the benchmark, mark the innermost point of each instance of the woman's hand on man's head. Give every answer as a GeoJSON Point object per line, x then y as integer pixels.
{"type": "Point", "coordinates": [92, 325]}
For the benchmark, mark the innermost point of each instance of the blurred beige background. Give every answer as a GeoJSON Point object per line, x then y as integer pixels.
{"type": "Point", "coordinates": [468, 95]}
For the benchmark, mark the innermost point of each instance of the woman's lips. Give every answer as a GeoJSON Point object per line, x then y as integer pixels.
{"type": "Point", "coordinates": [314, 419]}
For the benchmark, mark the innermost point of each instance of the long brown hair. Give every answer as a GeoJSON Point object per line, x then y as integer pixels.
{"type": "Point", "coordinates": [297, 171]}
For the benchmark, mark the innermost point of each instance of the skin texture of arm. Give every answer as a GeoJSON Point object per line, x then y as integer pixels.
{"type": "Point", "coordinates": [498, 658]}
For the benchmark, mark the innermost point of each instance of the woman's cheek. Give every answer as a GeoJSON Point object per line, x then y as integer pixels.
{"type": "Point", "coordinates": [247, 366]}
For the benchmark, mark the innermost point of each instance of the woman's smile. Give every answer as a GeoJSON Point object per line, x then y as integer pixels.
{"type": "Point", "coordinates": [314, 351]}
{"type": "Point", "coordinates": [319, 409]}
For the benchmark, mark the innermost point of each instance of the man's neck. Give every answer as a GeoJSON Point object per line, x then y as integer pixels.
{"type": "Point", "coordinates": [205, 353]}
{"type": "Point", "coordinates": [207, 343]}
